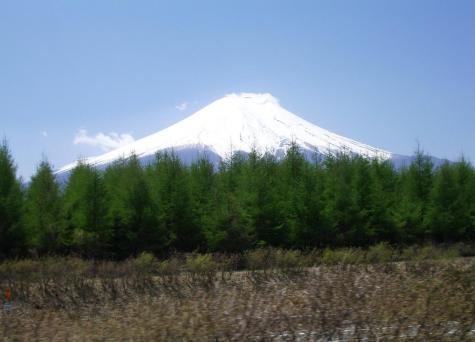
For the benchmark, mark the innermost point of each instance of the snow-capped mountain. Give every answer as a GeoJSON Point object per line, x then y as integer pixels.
{"type": "Point", "coordinates": [238, 123]}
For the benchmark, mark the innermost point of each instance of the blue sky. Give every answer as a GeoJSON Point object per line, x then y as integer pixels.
{"type": "Point", "coordinates": [387, 73]}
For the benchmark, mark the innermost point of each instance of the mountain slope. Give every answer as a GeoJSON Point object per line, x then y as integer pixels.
{"type": "Point", "coordinates": [238, 122]}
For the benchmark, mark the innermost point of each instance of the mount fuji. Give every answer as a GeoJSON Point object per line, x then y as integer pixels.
{"type": "Point", "coordinates": [238, 123]}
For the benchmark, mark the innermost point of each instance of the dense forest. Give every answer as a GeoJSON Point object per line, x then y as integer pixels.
{"type": "Point", "coordinates": [245, 202]}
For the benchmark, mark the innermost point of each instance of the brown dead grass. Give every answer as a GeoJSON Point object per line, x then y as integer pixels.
{"type": "Point", "coordinates": [424, 300]}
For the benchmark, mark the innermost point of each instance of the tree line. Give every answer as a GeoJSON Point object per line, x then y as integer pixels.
{"type": "Point", "coordinates": [245, 202]}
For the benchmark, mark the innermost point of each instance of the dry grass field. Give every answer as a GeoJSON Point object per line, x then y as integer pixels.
{"type": "Point", "coordinates": [262, 296]}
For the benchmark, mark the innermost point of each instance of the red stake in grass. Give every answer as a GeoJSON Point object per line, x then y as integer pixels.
{"type": "Point", "coordinates": [8, 295]}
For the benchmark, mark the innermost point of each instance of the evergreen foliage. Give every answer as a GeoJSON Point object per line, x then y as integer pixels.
{"type": "Point", "coordinates": [12, 234]}
{"type": "Point", "coordinates": [43, 212]}
{"type": "Point", "coordinates": [85, 212]}
{"type": "Point", "coordinates": [131, 213]}
{"type": "Point", "coordinates": [170, 192]}
{"type": "Point", "coordinates": [246, 202]}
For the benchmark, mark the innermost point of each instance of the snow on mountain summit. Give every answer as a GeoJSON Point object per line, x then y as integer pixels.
{"type": "Point", "coordinates": [239, 122]}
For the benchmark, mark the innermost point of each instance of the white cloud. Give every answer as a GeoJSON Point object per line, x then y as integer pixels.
{"type": "Point", "coordinates": [182, 106]}
{"type": "Point", "coordinates": [106, 142]}
{"type": "Point", "coordinates": [44, 134]}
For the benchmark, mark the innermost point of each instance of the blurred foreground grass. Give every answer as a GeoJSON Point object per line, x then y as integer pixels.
{"type": "Point", "coordinates": [383, 293]}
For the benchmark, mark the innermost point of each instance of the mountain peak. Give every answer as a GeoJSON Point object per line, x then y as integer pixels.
{"type": "Point", "coordinates": [258, 98]}
{"type": "Point", "coordinates": [240, 122]}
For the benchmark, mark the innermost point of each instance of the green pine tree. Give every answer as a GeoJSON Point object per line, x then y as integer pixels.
{"type": "Point", "coordinates": [383, 202]}
{"type": "Point", "coordinates": [464, 204]}
{"type": "Point", "coordinates": [43, 212]}
{"type": "Point", "coordinates": [203, 198]}
{"type": "Point", "coordinates": [85, 211]}
{"type": "Point", "coordinates": [170, 191]}
{"type": "Point", "coordinates": [131, 211]}
{"type": "Point", "coordinates": [12, 234]}
{"type": "Point", "coordinates": [415, 186]}
{"type": "Point", "coordinates": [338, 209]}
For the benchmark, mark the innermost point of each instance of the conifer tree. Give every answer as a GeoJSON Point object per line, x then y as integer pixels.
{"type": "Point", "coordinates": [268, 218]}
{"type": "Point", "coordinates": [383, 201]}
{"type": "Point", "coordinates": [131, 210]}
{"type": "Point", "coordinates": [291, 196]}
{"type": "Point", "coordinates": [413, 199]}
{"type": "Point", "coordinates": [43, 212]}
{"type": "Point", "coordinates": [234, 230]}
{"type": "Point", "coordinates": [203, 198]}
{"type": "Point", "coordinates": [233, 222]}
{"type": "Point", "coordinates": [301, 194]}
{"type": "Point", "coordinates": [338, 198]}
{"type": "Point", "coordinates": [362, 207]}
{"type": "Point", "coordinates": [170, 191]}
{"type": "Point", "coordinates": [85, 210]}
{"type": "Point", "coordinates": [464, 205]}
{"type": "Point", "coordinates": [420, 177]}
{"type": "Point", "coordinates": [12, 234]}
{"type": "Point", "coordinates": [319, 234]}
